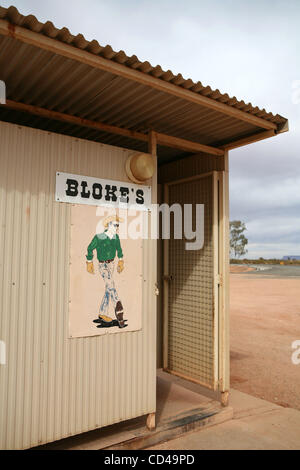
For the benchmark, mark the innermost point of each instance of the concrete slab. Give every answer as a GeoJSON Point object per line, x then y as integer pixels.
{"type": "Point", "coordinates": [174, 396]}
{"type": "Point", "coordinates": [256, 425]}
{"type": "Point", "coordinates": [247, 405]}
{"type": "Point", "coordinates": [181, 408]}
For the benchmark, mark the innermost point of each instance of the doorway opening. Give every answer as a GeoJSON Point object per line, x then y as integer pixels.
{"type": "Point", "coordinates": [190, 306]}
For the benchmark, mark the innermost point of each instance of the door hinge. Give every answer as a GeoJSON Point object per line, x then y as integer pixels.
{"type": "Point", "coordinates": [220, 280]}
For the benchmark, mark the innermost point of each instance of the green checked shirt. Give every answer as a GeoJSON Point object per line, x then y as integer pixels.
{"type": "Point", "coordinates": [106, 247]}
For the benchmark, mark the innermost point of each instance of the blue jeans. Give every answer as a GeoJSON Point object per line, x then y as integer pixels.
{"type": "Point", "coordinates": [110, 294]}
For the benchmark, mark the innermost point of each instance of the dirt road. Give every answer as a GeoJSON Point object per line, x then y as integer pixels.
{"type": "Point", "coordinates": [265, 321]}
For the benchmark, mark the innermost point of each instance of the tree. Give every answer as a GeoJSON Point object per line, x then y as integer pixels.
{"type": "Point", "coordinates": [238, 241]}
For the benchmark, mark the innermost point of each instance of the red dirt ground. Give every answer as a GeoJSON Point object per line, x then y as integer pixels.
{"type": "Point", "coordinates": [265, 320]}
{"type": "Point", "coordinates": [237, 268]}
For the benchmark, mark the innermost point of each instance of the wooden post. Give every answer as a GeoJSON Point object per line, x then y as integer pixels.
{"type": "Point", "coordinates": [151, 421]}
{"type": "Point", "coordinates": [152, 149]}
{"type": "Point", "coordinates": [226, 277]}
{"type": "Point", "coordinates": [224, 338]}
{"type": "Point", "coordinates": [152, 143]}
{"type": "Point", "coordinates": [225, 399]}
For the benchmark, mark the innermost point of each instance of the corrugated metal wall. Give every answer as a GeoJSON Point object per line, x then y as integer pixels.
{"type": "Point", "coordinates": [191, 166]}
{"type": "Point", "coordinates": [53, 387]}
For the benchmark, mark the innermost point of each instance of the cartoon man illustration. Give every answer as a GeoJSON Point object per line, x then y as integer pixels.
{"type": "Point", "coordinates": [108, 246]}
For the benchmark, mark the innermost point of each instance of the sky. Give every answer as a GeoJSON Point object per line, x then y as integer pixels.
{"type": "Point", "coordinates": [246, 48]}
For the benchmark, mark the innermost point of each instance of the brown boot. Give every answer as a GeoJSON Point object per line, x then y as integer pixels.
{"type": "Point", "coordinates": [120, 314]}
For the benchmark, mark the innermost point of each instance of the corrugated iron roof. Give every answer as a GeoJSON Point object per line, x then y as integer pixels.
{"type": "Point", "coordinates": [47, 79]}
{"type": "Point", "coordinates": [63, 35]}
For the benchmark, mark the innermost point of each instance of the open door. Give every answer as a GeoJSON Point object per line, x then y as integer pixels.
{"type": "Point", "coordinates": [191, 285]}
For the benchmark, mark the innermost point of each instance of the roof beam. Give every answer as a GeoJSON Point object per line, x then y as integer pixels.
{"type": "Point", "coordinates": [249, 140]}
{"type": "Point", "coordinates": [162, 139]}
{"type": "Point", "coordinates": [95, 61]}
{"type": "Point", "coordinates": [49, 114]}
{"type": "Point", "coordinates": [187, 145]}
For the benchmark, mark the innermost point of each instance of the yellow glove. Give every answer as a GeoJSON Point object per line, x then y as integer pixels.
{"type": "Point", "coordinates": [90, 267]}
{"type": "Point", "coordinates": [120, 267]}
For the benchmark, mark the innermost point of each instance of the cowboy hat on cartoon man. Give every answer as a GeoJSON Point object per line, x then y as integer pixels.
{"type": "Point", "coordinates": [108, 247]}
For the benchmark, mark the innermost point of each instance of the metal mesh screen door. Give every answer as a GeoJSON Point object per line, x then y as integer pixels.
{"type": "Point", "coordinates": [191, 288]}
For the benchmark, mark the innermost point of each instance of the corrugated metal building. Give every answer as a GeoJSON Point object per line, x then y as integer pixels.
{"type": "Point", "coordinates": [80, 108]}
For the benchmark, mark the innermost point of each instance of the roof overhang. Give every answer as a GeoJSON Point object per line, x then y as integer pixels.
{"type": "Point", "coordinates": [65, 84]}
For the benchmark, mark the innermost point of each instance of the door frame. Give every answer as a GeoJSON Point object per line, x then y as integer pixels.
{"type": "Point", "coordinates": [219, 231]}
